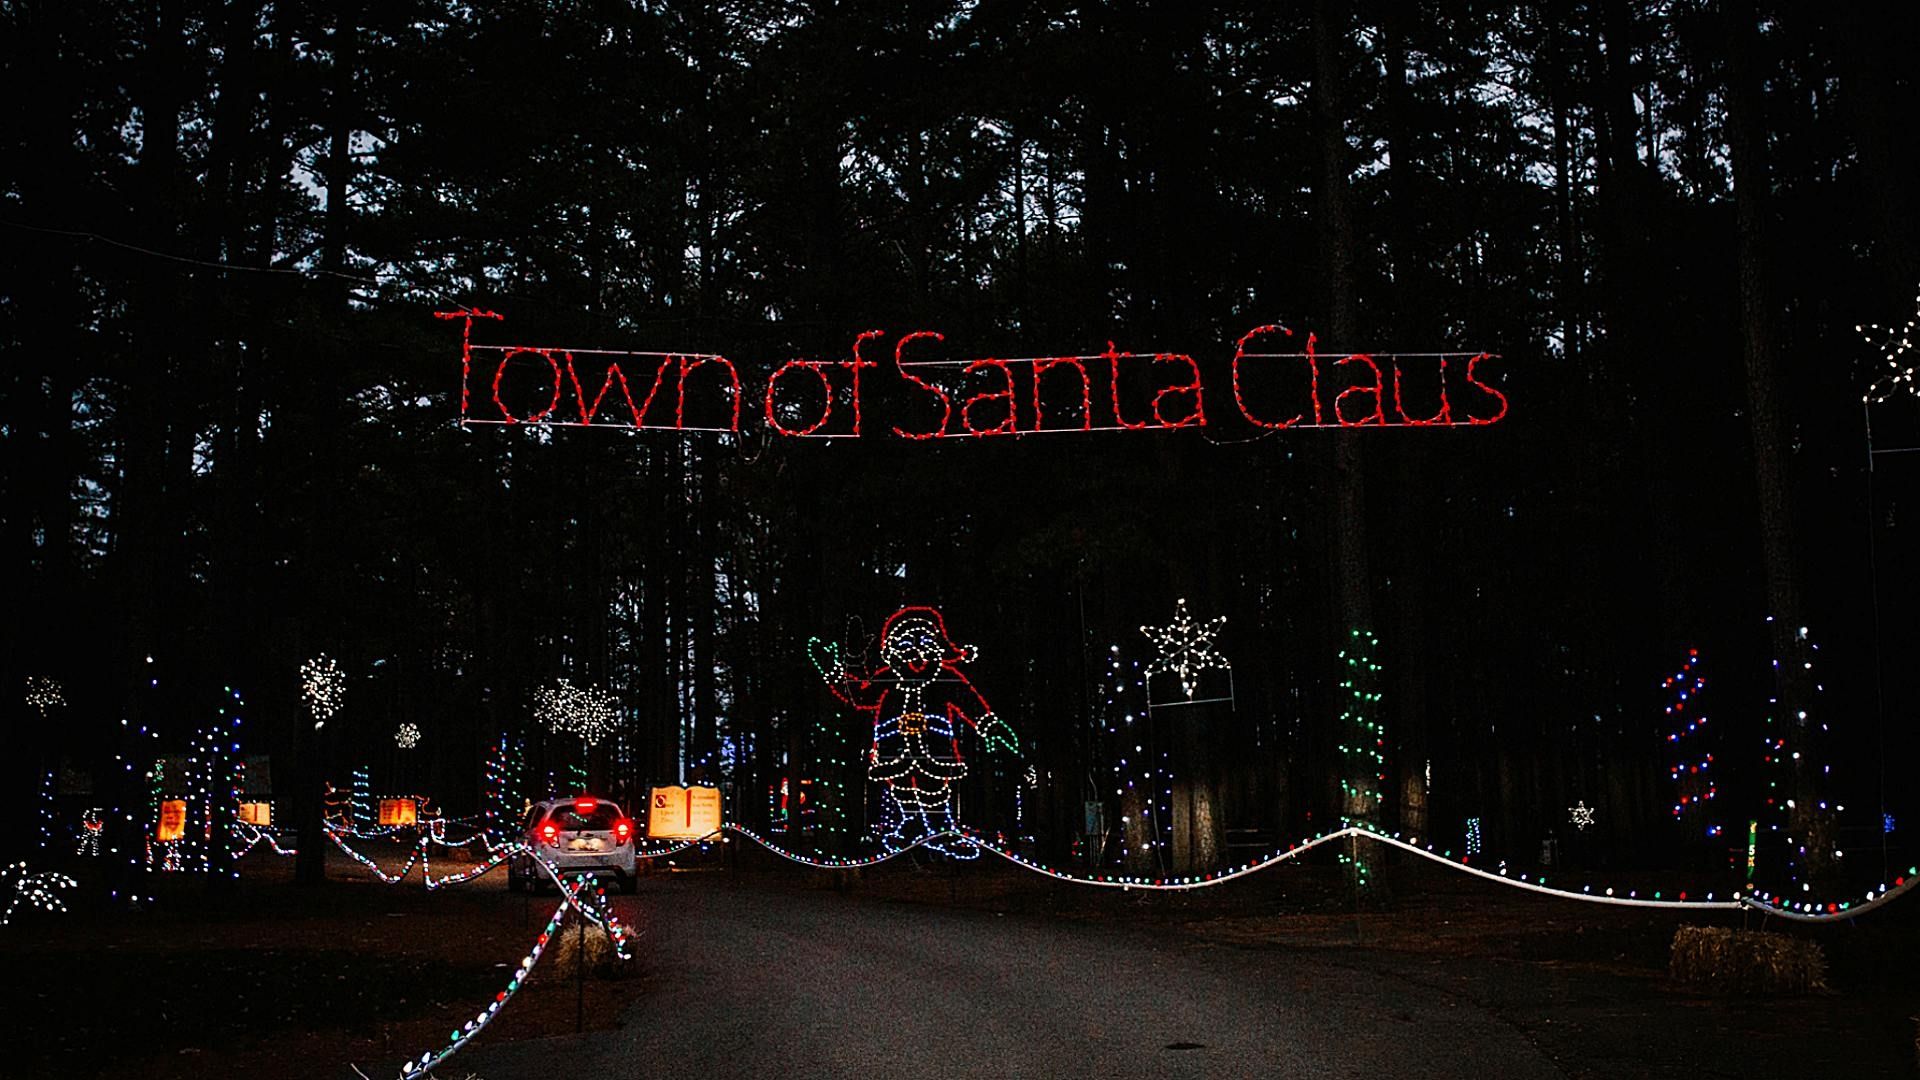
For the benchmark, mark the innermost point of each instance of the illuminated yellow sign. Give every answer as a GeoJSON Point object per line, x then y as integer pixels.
{"type": "Point", "coordinates": [256, 813]}
{"type": "Point", "coordinates": [173, 821]}
{"type": "Point", "coordinates": [399, 812]}
{"type": "Point", "coordinates": [683, 813]}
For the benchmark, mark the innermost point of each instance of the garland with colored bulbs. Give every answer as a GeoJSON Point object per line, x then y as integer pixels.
{"type": "Point", "coordinates": [598, 910]}
{"type": "Point", "coordinates": [252, 836]}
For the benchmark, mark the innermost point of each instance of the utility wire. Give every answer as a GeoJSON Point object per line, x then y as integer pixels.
{"type": "Point", "coordinates": [374, 281]}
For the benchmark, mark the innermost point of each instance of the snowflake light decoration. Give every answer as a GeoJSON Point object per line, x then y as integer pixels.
{"type": "Point", "coordinates": [1894, 344]}
{"type": "Point", "coordinates": [588, 712]}
{"type": "Point", "coordinates": [1581, 815]}
{"type": "Point", "coordinates": [407, 736]}
{"type": "Point", "coordinates": [1186, 647]}
{"type": "Point", "coordinates": [324, 687]}
{"type": "Point", "coordinates": [44, 695]}
{"type": "Point", "coordinates": [35, 889]}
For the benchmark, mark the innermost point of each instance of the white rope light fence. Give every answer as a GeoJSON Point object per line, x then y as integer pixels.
{"type": "Point", "coordinates": [1757, 900]}
{"type": "Point", "coordinates": [1765, 903]}
{"type": "Point", "coordinates": [600, 911]}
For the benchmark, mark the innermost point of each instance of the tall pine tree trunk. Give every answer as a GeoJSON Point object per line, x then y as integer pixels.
{"type": "Point", "coordinates": [1408, 595]}
{"type": "Point", "coordinates": [1812, 829]}
{"type": "Point", "coordinates": [1353, 601]}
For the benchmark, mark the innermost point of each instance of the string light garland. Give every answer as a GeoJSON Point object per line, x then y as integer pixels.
{"type": "Point", "coordinates": [1186, 647]}
{"type": "Point", "coordinates": [252, 836]}
{"type": "Point", "coordinates": [38, 889]}
{"type": "Point", "coordinates": [1804, 911]}
{"type": "Point", "coordinates": [44, 695]}
{"type": "Point", "coordinates": [594, 906]}
{"type": "Point", "coordinates": [407, 736]}
{"type": "Point", "coordinates": [589, 904]}
{"type": "Point", "coordinates": [493, 854]}
{"type": "Point", "coordinates": [1692, 774]}
{"type": "Point", "coordinates": [1473, 838]}
{"type": "Point", "coordinates": [917, 699]}
{"type": "Point", "coordinates": [1894, 345]}
{"type": "Point", "coordinates": [586, 712]}
{"type": "Point", "coordinates": [323, 686]}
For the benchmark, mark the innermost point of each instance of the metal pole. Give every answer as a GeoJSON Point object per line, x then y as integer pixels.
{"type": "Point", "coordinates": [1879, 664]}
{"type": "Point", "coordinates": [580, 970]}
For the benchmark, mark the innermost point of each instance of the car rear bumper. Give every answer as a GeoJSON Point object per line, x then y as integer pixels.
{"type": "Point", "coordinates": [589, 862]}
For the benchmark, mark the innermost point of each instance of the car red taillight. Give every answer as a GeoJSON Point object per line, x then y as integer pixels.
{"type": "Point", "coordinates": [550, 833]}
{"type": "Point", "coordinates": [623, 830]}
{"type": "Point", "coordinates": [583, 806]}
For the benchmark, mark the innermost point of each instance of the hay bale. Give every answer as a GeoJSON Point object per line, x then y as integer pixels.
{"type": "Point", "coordinates": [1747, 961]}
{"type": "Point", "coordinates": [571, 948]}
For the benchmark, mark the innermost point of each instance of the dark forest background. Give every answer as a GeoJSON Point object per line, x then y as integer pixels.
{"type": "Point", "coordinates": [230, 439]}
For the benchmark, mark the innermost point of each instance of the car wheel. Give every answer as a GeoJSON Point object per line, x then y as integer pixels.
{"type": "Point", "coordinates": [515, 883]}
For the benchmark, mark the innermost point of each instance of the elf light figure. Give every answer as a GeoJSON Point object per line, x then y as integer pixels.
{"type": "Point", "coordinates": [919, 697]}
{"type": "Point", "coordinates": [90, 829]}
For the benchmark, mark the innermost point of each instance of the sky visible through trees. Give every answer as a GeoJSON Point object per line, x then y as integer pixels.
{"type": "Point", "coordinates": [230, 437]}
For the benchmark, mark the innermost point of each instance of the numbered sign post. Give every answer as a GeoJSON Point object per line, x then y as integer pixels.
{"type": "Point", "coordinates": [683, 813]}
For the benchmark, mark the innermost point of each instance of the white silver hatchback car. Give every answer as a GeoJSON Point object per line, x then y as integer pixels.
{"type": "Point", "coordinates": [585, 835]}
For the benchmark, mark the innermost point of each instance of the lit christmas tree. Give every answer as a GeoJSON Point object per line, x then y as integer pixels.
{"type": "Point", "coordinates": [1691, 768]}
{"type": "Point", "coordinates": [1363, 747]}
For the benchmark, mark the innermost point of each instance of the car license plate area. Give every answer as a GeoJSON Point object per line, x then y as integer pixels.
{"type": "Point", "coordinates": [586, 843]}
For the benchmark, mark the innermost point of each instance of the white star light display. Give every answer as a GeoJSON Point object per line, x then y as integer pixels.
{"type": "Point", "coordinates": [586, 711]}
{"type": "Point", "coordinates": [1581, 815]}
{"type": "Point", "coordinates": [1186, 647]}
{"type": "Point", "coordinates": [324, 687]}
{"type": "Point", "coordinates": [44, 695]}
{"type": "Point", "coordinates": [407, 736]}
{"type": "Point", "coordinates": [1894, 344]}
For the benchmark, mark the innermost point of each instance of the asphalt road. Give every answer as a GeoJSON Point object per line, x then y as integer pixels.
{"type": "Point", "coordinates": [750, 983]}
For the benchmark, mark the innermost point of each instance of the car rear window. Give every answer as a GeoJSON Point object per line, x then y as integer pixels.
{"type": "Point", "coordinates": [598, 819]}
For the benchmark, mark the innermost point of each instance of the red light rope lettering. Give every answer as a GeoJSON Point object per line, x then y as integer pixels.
{"type": "Point", "coordinates": [946, 403]}
{"type": "Point", "coordinates": [826, 391]}
{"type": "Point", "coordinates": [1171, 400]}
